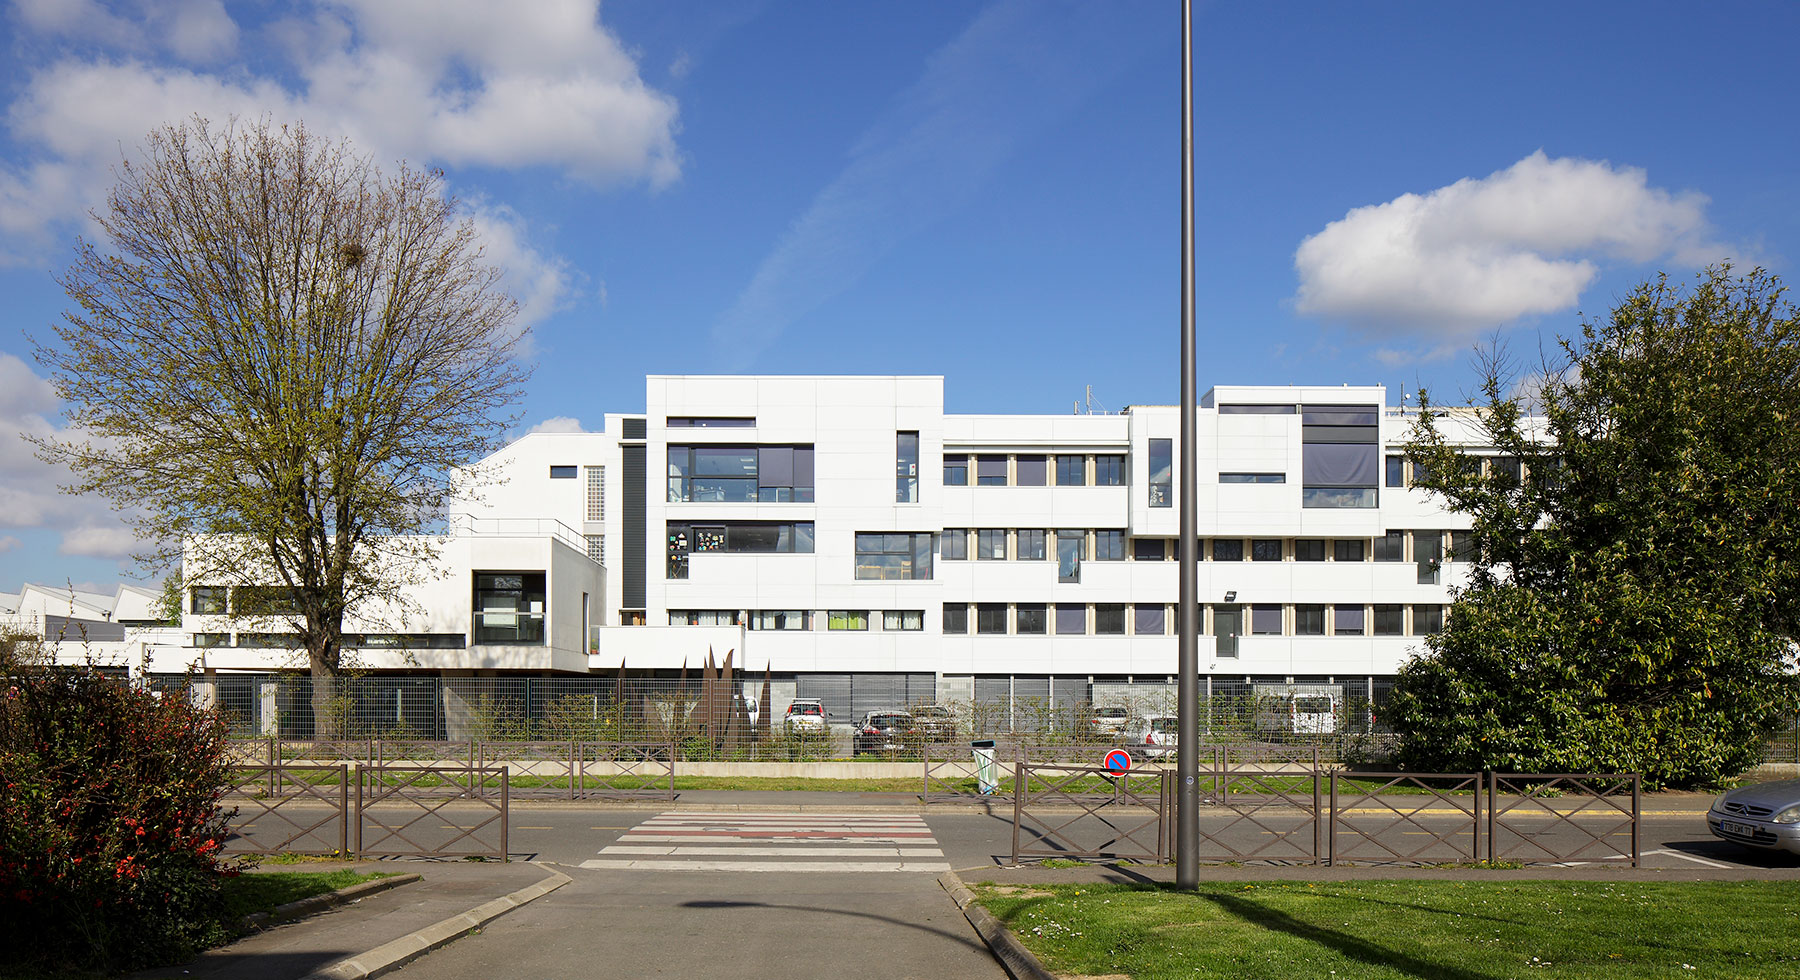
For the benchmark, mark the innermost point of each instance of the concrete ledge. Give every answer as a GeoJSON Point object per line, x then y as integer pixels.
{"type": "Point", "coordinates": [391, 956]}
{"type": "Point", "coordinates": [319, 903]}
{"type": "Point", "coordinates": [1006, 947]}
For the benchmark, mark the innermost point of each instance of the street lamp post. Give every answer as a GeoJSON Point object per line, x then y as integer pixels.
{"type": "Point", "coordinates": [1187, 749]}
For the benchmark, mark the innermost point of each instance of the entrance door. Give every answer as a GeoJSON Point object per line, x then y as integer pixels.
{"type": "Point", "coordinates": [1228, 625]}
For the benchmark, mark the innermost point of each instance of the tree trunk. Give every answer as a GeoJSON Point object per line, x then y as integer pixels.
{"type": "Point", "coordinates": [327, 711]}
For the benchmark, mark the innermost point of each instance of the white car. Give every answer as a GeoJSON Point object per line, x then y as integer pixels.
{"type": "Point", "coordinates": [805, 716]}
{"type": "Point", "coordinates": [1151, 737]}
{"type": "Point", "coordinates": [1764, 815]}
{"type": "Point", "coordinates": [1107, 721]}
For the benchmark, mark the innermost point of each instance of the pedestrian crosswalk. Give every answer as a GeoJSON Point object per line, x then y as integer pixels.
{"type": "Point", "coordinates": [683, 841]}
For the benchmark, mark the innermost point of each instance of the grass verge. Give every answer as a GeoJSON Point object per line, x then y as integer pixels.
{"type": "Point", "coordinates": [263, 891]}
{"type": "Point", "coordinates": [1446, 930]}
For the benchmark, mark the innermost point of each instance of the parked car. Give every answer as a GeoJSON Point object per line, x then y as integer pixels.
{"type": "Point", "coordinates": [1151, 737]}
{"type": "Point", "coordinates": [935, 722]}
{"type": "Point", "coordinates": [1765, 815]}
{"type": "Point", "coordinates": [805, 716]}
{"type": "Point", "coordinates": [886, 731]}
{"type": "Point", "coordinates": [1107, 721]}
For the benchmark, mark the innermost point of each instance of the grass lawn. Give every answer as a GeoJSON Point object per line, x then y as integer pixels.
{"type": "Point", "coordinates": [262, 891]}
{"type": "Point", "coordinates": [1429, 930]}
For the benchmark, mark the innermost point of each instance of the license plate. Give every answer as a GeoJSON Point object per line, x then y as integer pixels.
{"type": "Point", "coordinates": [1733, 827]}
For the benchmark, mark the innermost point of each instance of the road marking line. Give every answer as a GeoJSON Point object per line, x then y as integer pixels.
{"type": "Point", "coordinates": [896, 852]}
{"type": "Point", "coordinates": [796, 866]}
{"type": "Point", "coordinates": [771, 838]}
{"type": "Point", "coordinates": [534, 828]}
{"type": "Point", "coordinates": [1688, 857]}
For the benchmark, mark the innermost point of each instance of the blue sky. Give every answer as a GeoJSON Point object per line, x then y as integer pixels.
{"type": "Point", "coordinates": [987, 191]}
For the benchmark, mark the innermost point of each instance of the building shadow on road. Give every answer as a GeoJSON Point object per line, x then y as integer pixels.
{"type": "Point", "coordinates": [728, 904]}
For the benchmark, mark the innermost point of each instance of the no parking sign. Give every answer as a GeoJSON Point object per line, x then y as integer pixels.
{"type": "Point", "coordinates": [1117, 761]}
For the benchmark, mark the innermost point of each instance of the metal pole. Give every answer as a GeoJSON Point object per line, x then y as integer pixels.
{"type": "Point", "coordinates": [1187, 807]}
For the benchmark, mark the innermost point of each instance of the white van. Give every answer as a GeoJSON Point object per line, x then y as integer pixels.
{"type": "Point", "coordinates": [1292, 712]}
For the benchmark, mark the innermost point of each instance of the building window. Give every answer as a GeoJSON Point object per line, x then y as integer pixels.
{"type": "Point", "coordinates": [1428, 553]}
{"type": "Point", "coordinates": [1109, 471]}
{"type": "Point", "coordinates": [1252, 477]}
{"type": "Point", "coordinates": [953, 544]}
{"type": "Point", "coordinates": [781, 619]}
{"type": "Point", "coordinates": [290, 641]}
{"type": "Point", "coordinates": [1031, 471]}
{"type": "Point", "coordinates": [1265, 620]}
{"type": "Point", "coordinates": [990, 544]}
{"type": "Point", "coordinates": [1109, 545]}
{"type": "Point", "coordinates": [1071, 470]}
{"type": "Point", "coordinates": [1228, 549]}
{"type": "Point", "coordinates": [212, 639]}
{"type": "Point", "coordinates": [1462, 546]}
{"type": "Point", "coordinates": [703, 617]}
{"type": "Point", "coordinates": [265, 600]}
{"type": "Point", "coordinates": [1148, 549]}
{"type": "Point", "coordinates": [1396, 471]}
{"type": "Point", "coordinates": [207, 600]}
{"type": "Point", "coordinates": [956, 471]}
{"type": "Point", "coordinates": [1265, 549]}
{"type": "Point", "coordinates": [1149, 620]}
{"type": "Point", "coordinates": [1031, 544]}
{"type": "Point", "coordinates": [1339, 454]}
{"type": "Point", "coordinates": [886, 556]}
{"type": "Point", "coordinates": [740, 474]}
{"type": "Point", "coordinates": [1391, 546]}
{"type": "Point", "coordinates": [1428, 619]}
{"type": "Point", "coordinates": [562, 472]}
{"type": "Point", "coordinates": [1347, 550]}
{"type": "Point", "coordinates": [956, 617]}
{"type": "Point", "coordinates": [847, 619]}
{"type": "Point", "coordinates": [1030, 617]}
{"type": "Point", "coordinates": [903, 620]}
{"type": "Point", "coordinates": [596, 547]}
{"type": "Point", "coordinates": [1109, 618]}
{"type": "Point", "coordinates": [1506, 469]}
{"type": "Point", "coordinates": [990, 617]}
{"type": "Point", "coordinates": [1161, 478]}
{"type": "Point", "coordinates": [702, 422]}
{"type": "Point", "coordinates": [509, 607]}
{"type": "Point", "coordinates": [906, 467]}
{"type": "Point", "coordinates": [596, 496]}
{"type": "Point", "coordinates": [1256, 409]}
{"type": "Point", "coordinates": [1309, 619]}
{"type": "Point", "coordinates": [1071, 618]}
{"type": "Point", "coordinates": [1070, 543]}
{"type": "Point", "coordinates": [1309, 550]}
{"type": "Point", "coordinates": [1347, 620]}
{"type": "Point", "coordinates": [990, 471]}
{"type": "Point", "coordinates": [1390, 619]}
{"type": "Point", "coordinates": [742, 537]}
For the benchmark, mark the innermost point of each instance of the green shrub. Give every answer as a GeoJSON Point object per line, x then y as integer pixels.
{"type": "Point", "coordinates": [110, 823]}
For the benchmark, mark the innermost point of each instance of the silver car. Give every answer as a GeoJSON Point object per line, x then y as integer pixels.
{"type": "Point", "coordinates": [1765, 815]}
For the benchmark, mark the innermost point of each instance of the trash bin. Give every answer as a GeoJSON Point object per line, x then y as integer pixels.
{"type": "Point", "coordinates": [986, 769]}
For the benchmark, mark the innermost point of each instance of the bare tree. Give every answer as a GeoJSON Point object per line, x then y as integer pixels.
{"type": "Point", "coordinates": [282, 366]}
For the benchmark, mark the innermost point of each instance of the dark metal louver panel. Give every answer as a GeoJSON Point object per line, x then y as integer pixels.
{"type": "Point", "coordinates": [635, 549]}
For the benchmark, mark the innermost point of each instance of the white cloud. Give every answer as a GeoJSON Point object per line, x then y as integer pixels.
{"type": "Point", "coordinates": [98, 542]}
{"type": "Point", "coordinates": [30, 493]}
{"type": "Point", "coordinates": [542, 284]}
{"type": "Point", "coordinates": [561, 423]}
{"type": "Point", "coordinates": [463, 83]}
{"type": "Point", "coordinates": [8, 543]}
{"type": "Point", "coordinates": [1484, 252]}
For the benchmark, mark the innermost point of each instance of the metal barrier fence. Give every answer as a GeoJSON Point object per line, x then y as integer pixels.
{"type": "Point", "coordinates": [625, 770]}
{"type": "Point", "coordinates": [1525, 826]}
{"type": "Point", "coordinates": [393, 811]}
{"type": "Point", "coordinates": [290, 809]}
{"type": "Point", "coordinates": [1260, 804]}
{"type": "Point", "coordinates": [1089, 812]}
{"type": "Point", "coordinates": [1380, 816]}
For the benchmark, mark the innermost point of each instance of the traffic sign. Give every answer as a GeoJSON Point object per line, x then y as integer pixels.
{"type": "Point", "coordinates": [1118, 760]}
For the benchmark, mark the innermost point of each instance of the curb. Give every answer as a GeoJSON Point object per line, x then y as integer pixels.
{"type": "Point", "coordinates": [1012, 954]}
{"type": "Point", "coordinates": [391, 956]}
{"type": "Point", "coordinates": [319, 903]}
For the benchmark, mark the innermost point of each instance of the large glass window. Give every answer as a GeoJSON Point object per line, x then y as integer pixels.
{"type": "Point", "coordinates": [990, 544]}
{"type": "Point", "coordinates": [705, 422]}
{"type": "Point", "coordinates": [562, 472]}
{"type": "Point", "coordinates": [847, 619]}
{"type": "Point", "coordinates": [893, 556]}
{"type": "Point", "coordinates": [1265, 620]}
{"type": "Point", "coordinates": [703, 617]}
{"type": "Point", "coordinates": [1030, 617]}
{"type": "Point", "coordinates": [743, 537]}
{"type": "Point", "coordinates": [1109, 618]}
{"type": "Point", "coordinates": [1161, 478]}
{"type": "Point", "coordinates": [1396, 471]}
{"type": "Point", "coordinates": [1339, 455]}
{"type": "Point", "coordinates": [956, 617]}
{"type": "Point", "coordinates": [1070, 542]}
{"type": "Point", "coordinates": [1428, 553]}
{"type": "Point", "coordinates": [1390, 619]}
{"type": "Point", "coordinates": [956, 471]}
{"type": "Point", "coordinates": [1428, 619]}
{"type": "Point", "coordinates": [509, 607]}
{"type": "Point", "coordinates": [1071, 618]}
{"type": "Point", "coordinates": [1462, 546]}
{"type": "Point", "coordinates": [1309, 550]}
{"type": "Point", "coordinates": [1031, 544]}
{"type": "Point", "coordinates": [906, 467]}
{"type": "Point", "coordinates": [1109, 545]}
{"type": "Point", "coordinates": [1071, 470]}
{"type": "Point", "coordinates": [265, 600]}
{"type": "Point", "coordinates": [1148, 549]}
{"type": "Point", "coordinates": [990, 617]}
{"type": "Point", "coordinates": [740, 474]}
{"type": "Point", "coordinates": [208, 600]}
{"type": "Point", "coordinates": [1391, 546]}
{"type": "Point", "coordinates": [990, 471]}
{"type": "Point", "coordinates": [1228, 549]}
{"type": "Point", "coordinates": [781, 619]}
{"type": "Point", "coordinates": [1347, 620]}
{"type": "Point", "coordinates": [1252, 477]}
{"type": "Point", "coordinates": [1309, 619]}
{"type": "Point", "coordinates": [1109, 471]}
{"type": "Point", "coordinates": [1265, 549]}
{"type": "Point", "coordinates": [1030, 471]}
{"type": "Point", "coordinates": [953, 544]}
{"type": "Point", "coordinates": [903, 620]}
{"type": "Point", "coordinates": [1351, 550]}
{"type": "Point", "coordinates": [1149, 620]}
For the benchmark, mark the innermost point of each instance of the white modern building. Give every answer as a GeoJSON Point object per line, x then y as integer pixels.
{"type": "Point", "coordinates": [859, 544]}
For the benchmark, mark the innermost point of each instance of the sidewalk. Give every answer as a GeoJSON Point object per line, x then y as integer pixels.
{"type": "Point", "coordinates": [376, 933]}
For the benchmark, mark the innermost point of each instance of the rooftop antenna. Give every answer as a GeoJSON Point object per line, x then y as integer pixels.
{"type": "Point", "coordinates": [1093, 407]}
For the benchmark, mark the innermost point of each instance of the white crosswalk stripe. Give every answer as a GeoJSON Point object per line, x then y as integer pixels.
{"type": "Point", "coordinates": [682, 841]}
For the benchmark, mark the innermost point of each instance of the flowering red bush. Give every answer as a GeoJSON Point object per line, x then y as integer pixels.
{"type": "Point", "coordinates": [110, 824]}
